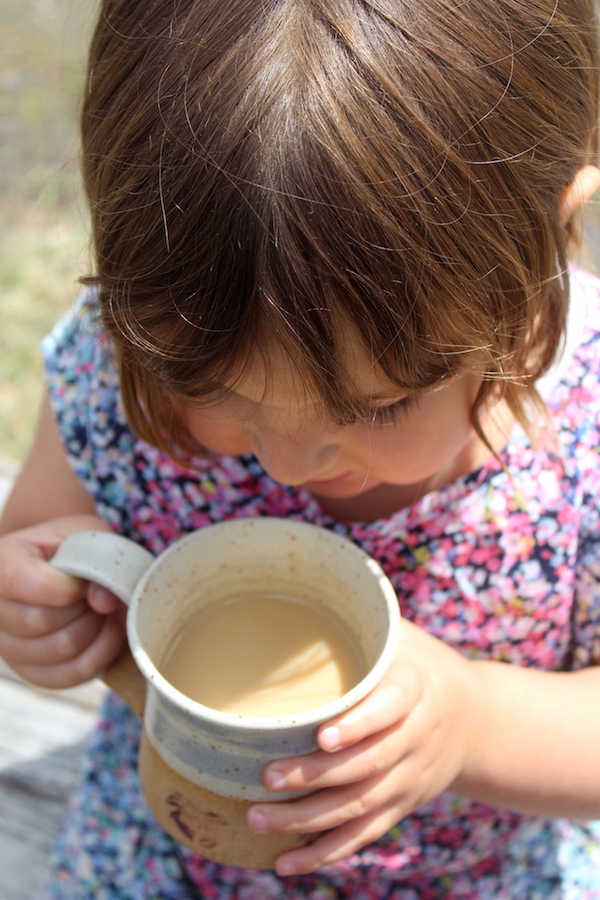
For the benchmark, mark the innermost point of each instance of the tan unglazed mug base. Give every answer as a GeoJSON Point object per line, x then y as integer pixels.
{"type": "Point", "coordinates": [210, 825]}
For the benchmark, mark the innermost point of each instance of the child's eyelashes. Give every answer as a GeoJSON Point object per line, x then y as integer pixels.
{"type": "Point", "coordinates": [243, 412]}
{"type": "Point", "coordinates": [385, 415]}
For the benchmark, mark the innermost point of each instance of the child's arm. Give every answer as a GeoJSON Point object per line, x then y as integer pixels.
{"type": "Point", "coordinates": [516, 738]}
{"type": "Point", "coordinates": [55, 631]}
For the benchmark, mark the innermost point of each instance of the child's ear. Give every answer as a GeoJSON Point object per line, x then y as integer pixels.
{"type": "Point", "coordinates": [585, 183]}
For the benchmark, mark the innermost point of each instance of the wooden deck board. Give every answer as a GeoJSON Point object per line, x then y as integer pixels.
{"type": "Point", "coordinates": [42, 735]}
{"type": "Point", "coordinates": [41, 738]}
{"type": "Point", "coordinates": [27, 831]}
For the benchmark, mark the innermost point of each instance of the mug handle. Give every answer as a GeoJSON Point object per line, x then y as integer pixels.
{"type": "Point", "coordinates": [124, 677]}
{"type": "Point", "coordinates": [117, 564]}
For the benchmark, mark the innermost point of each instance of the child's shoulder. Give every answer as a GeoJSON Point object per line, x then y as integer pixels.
{"type": "Point", "coordinates": [79, 360]}
{"type": "Point", "coordinates": [77, 339]}
{"type": "Point", "coordinates": [575, 378]}
{"type": "Point", "coordinates": [572, 388]}
{"type": "Point", "coordinates": [83, 384]}
{"type": "Point", "coordinates": [582, 350]}
{"type": "Point", "coordinates": [584, 307]}
{"type": "Point", "coordinates": [585, 301]}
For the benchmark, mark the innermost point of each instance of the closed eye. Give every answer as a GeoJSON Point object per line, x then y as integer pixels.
{"type": "Point", "coordinates": [385, 415]}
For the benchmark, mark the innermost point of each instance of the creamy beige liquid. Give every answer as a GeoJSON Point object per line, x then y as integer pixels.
{"type": "Point", "coordinates": [266, 655]}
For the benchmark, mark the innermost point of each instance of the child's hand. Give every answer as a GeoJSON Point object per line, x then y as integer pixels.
{"type": "Point", "coordinates": [400, 747]}
{"type": "Point", "coordinates": [55, 631]}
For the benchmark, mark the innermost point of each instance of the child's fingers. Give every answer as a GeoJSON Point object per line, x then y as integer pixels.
{"type": "Point", "coordinates": [26, 577]}
{"type": "Point", "coordinates": [90, 663]}
{"type": "Point", "coordinates": [54, 648]}
{"type": "Point", "coordinates": [320, 770]}
{"type": "Point", "coordinates": [388, 704]}
{"type": "Point", "coordinates": [47, 536]}
{"type": "Point", "coordinates": [23, 620]}
{"type": "Point", "coordinates": [49, 633]}
{"type": "Point", "coordinates": [326, 809]}
{"type": "Point", "coordinates": [339, 843]}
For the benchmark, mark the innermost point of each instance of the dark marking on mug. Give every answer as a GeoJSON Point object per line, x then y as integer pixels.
{"type": "Point", "coordinates": [207, 844]}
{"type": "Point", "coordinates": [175, 802]}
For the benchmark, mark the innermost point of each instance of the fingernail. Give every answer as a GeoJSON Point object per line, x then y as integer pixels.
{"type": "Point", "coordinates": [257, 820]}
{"type": "Point", "coordinates": [330, 738]}
{"type": "Point", "coordinates": [275, 780]}
{"type": "Point", "coordinates": [284, 868]}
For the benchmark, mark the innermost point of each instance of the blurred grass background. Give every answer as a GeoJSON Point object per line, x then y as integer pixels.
{"type": "Point", "coordinates": [43, 231]}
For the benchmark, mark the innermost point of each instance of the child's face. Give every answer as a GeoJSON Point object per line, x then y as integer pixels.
{"type": "Point", "coordinates": [426, 441]}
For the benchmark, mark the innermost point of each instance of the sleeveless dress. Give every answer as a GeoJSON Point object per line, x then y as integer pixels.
{"type": "Point", "coordinates": [501, 564]}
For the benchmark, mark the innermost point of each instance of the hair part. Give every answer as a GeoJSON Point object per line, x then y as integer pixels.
{"type": "Point", "coordinates": [291, 169]}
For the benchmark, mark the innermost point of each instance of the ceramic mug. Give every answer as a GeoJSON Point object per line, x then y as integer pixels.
{"type": "Point", "coordinates": [198, 752]}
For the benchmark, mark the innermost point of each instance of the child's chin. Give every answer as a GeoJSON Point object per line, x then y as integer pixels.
{"type": "Point", "coordinates": [348, 485]}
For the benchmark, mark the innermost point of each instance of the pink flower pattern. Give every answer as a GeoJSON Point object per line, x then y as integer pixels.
{"type": "Point", "coordinates": [502, 564]}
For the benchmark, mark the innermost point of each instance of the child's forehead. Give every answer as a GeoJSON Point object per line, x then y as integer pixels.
{"type": "Point", "coordinates": [278, 379]}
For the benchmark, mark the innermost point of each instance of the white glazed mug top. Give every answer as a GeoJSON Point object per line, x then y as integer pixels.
{"type": "Point", "coordinates": [266, 555]}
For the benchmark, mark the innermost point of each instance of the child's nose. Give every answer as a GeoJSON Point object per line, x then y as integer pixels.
{"type": "Point", "coordinates": [293, 460]}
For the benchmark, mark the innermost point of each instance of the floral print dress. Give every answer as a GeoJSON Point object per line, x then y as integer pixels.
{"type": "Point", "coordinates": [501, 564]}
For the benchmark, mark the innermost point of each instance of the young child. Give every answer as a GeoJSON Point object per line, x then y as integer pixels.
{"type": "Point", "coordinates": [331, 283]}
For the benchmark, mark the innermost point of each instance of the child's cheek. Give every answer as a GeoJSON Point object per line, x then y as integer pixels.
{"type": "Point", "coordinates": [218, 434]}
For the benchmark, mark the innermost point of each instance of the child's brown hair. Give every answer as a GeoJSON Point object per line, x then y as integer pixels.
{"type": "Point", "coordinates": [300, 170]}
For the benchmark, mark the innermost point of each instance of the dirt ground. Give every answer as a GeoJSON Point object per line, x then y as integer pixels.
{"type": "Point", "coordinates": [43, 236]}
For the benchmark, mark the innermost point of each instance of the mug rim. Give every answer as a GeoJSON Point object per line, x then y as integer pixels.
{"type": "Point", "coordinates": [313, 716]}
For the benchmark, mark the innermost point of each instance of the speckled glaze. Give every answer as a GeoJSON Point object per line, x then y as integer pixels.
{"type": "Point", "coordinates": [221, 752]}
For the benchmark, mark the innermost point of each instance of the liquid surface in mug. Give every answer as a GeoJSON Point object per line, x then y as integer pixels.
{"type": "Point", "coordinates": [263, 655]}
